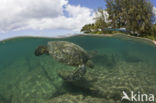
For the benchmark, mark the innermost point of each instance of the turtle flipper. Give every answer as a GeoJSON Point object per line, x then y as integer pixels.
{"type": "Point", "coordinates": [78, 74]}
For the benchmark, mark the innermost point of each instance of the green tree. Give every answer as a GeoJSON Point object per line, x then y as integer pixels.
{"type": "Point", "coordinates": [154, 30]}
{"type": "Point", "coordinates": [135, 15]}
{"type": "Point", "coordinates": [101, 20]}
{"type": "Point", "coordinates": [88, 28]}
{"type": "Point", "coordinates": [99, 25]}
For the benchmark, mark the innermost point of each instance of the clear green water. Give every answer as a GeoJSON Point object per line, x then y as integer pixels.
{"type": "Point", "coordinates": [121, 63]}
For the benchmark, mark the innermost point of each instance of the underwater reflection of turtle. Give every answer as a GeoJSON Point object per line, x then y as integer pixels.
{"type": "Point", "coordinates": [68, 53]}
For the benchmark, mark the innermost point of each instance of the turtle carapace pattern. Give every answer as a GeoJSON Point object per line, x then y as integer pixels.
{"type": "Point", "coordinates": [67, 53]}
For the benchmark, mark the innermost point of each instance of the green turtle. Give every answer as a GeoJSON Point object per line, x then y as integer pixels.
{"type": "Point", "coordinates": [67, 53]}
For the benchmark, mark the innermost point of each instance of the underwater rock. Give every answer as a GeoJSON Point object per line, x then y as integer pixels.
{"type": "Point", "coordinates": [107, 83]}
{"type": "Point", "coordinates": [4, 100]}
{"type": "Point", "coordinates": [131, 58]}
{"type": "Point", "coordinates": [106, 60]}
{"type": "Point", "coordinates": [35, 88]}
{"type": "Point", "coordinates": [29, 83]}
{"type": "Point", "coordinates": [68, 98]}
{"type": "Point", "coordinates": [103, 84]}
{"type": "Point", "coordinates": [84, 84]}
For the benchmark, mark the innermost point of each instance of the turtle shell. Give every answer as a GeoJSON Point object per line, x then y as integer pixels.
{"type": "Point", "coordinates": [68, 53]}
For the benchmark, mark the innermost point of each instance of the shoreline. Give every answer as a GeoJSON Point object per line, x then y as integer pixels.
{"type": "Point", "coordinates": [154, 42]}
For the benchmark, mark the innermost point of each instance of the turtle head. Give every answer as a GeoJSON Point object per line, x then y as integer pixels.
{"type": "Point", "coordinates": [41, 50]}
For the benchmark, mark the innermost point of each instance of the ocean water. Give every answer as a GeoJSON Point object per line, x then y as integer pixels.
{"type": "Point", "coordinates": [121, 64]}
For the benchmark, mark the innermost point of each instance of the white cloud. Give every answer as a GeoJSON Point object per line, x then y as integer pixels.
{"type": "Point", "coordinates": [77, 10]}
{"type": "Point", "coordinates": [42, 14]}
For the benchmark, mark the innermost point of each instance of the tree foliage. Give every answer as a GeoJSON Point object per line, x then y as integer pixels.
{"type": "Point", "coordinates": [101, 20]}
{"type": "Point", "coordinates": [88, 28]}
{"type": "Point", "coordinates": [99, 25]}
{"type": "Point", "coordinates": [135, 15]}
{"type": "Point", "coordinates": [154, 30]}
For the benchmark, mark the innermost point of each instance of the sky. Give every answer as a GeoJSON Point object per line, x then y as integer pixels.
{"type": "Point", "coordinates": [50, 18]}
